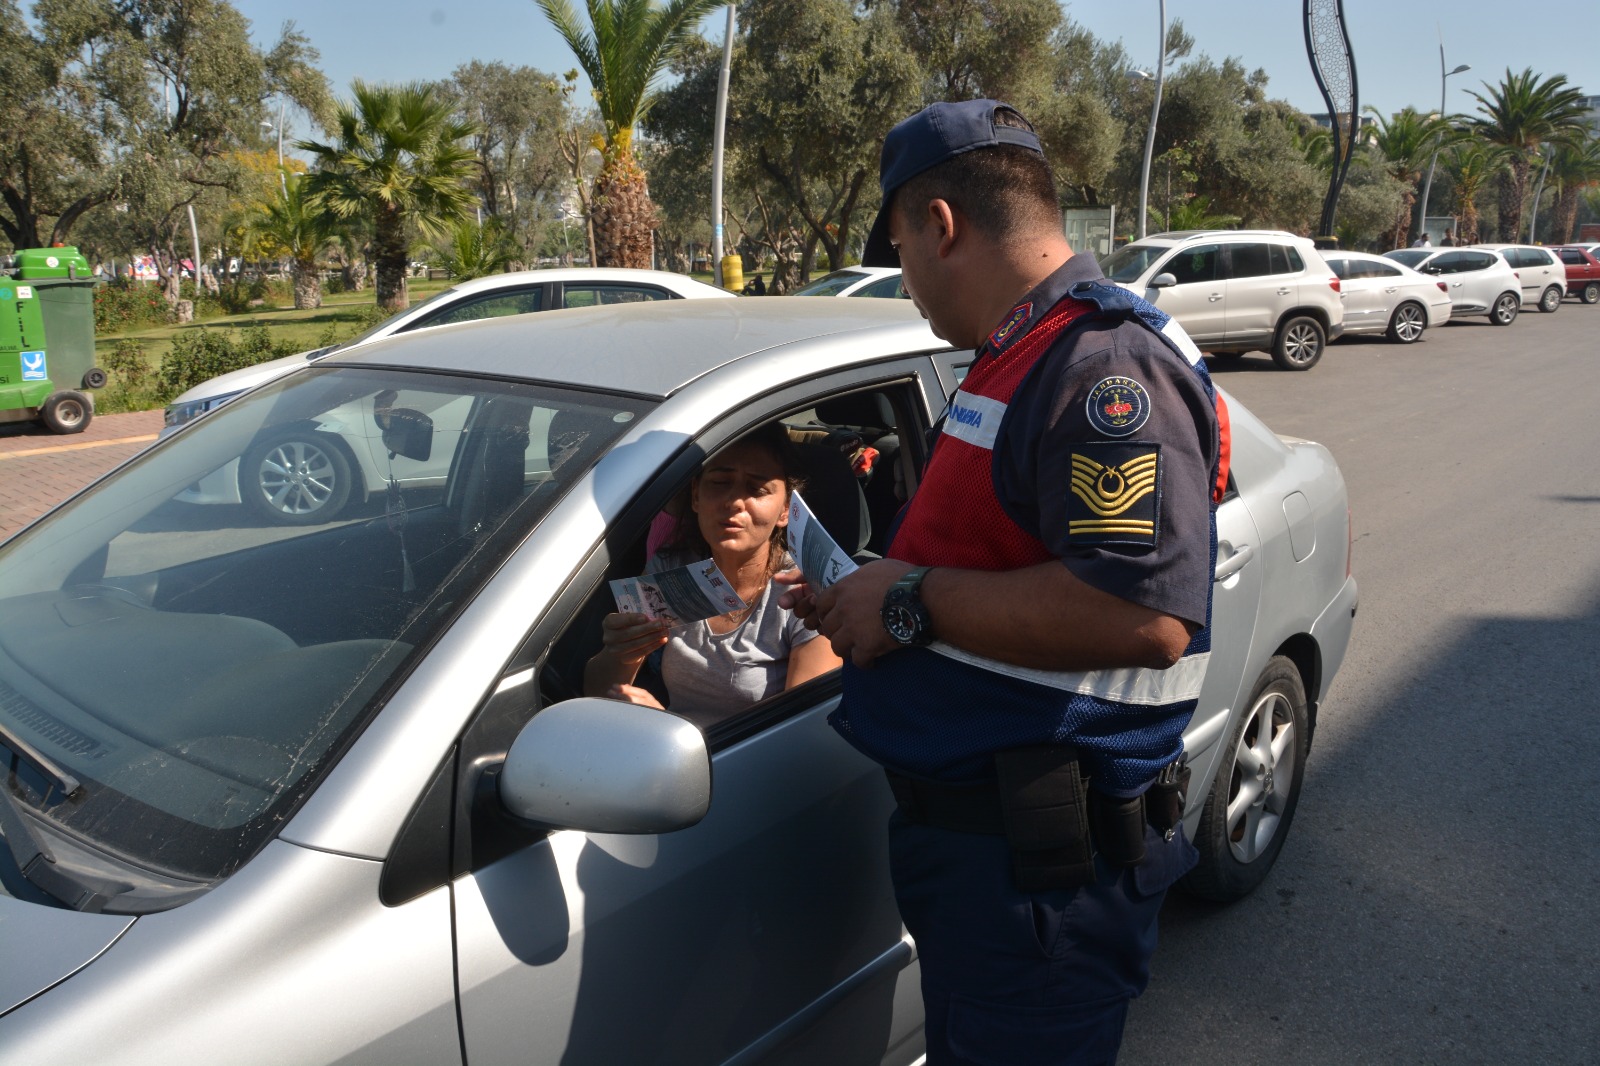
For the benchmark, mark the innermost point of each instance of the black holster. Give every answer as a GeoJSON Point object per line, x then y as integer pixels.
{"type": "Point", "coordinates": [1044, 807]}
{"type": "Point", "coordinates": [1166, 798]}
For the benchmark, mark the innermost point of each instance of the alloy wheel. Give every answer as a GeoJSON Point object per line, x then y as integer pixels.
{"type": "Point", "coordinates": [1263, 767]}
{"type": "Point", "coordinates": [297, 477]}
{"type": "Point", "coordinates": [1408, 323]}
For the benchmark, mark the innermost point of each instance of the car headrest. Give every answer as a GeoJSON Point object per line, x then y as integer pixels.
{"type": "Point", "coordinates": [834, 495]}
{"type": "Point", "coordinates": [858, 409]}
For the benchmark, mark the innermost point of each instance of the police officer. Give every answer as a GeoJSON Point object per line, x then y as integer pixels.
{"type": "Point", "coordinates": [1024, 661]}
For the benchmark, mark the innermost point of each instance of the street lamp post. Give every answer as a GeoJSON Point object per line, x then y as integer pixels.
{"type": "Point", "coordinates": [1427, 186]}
{"type": "Point", "coordinates": [1155, 113]}
{"type": "Point", "coordinates": [717, 151]}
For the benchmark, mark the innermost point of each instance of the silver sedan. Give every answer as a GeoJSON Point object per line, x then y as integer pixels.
{"type": "Point", "coordinates": [330, 792]}
{"type": "Point", "coordinates": [1385, 297]}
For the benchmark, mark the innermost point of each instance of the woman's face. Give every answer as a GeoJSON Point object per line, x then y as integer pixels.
{"type": "Point", "coordinates": [739, 498]}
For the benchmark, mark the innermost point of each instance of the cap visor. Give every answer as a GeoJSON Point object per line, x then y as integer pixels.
{"type": "Point", "coordinates": [878, 251]}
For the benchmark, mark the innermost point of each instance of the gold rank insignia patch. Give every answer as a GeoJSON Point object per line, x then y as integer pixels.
{"type": "Point", "coordinates": [1115, 493]}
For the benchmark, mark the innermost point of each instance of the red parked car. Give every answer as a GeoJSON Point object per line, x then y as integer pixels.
{"type": "Point", "coordinates": [1583, 272]}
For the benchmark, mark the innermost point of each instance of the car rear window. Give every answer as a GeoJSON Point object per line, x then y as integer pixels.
{"type": "Point", "coordinates": [1251, 261]}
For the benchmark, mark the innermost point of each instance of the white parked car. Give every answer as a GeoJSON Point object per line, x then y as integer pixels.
{"type": "Point", "coordinates": [330, 793]}
{"type": "Point", "coordinates": [1237, 291]}
{"type": "Point", "coordinates": [1389, 298]}
{"type": "Point", "coordinates": [882, 282]}
{"type": "Point", "coordinates": [307, 477]}
{"type": "Point", "coordinates": [1481, 282]}
{"type": "Point", "coordinates": [1541, 272]}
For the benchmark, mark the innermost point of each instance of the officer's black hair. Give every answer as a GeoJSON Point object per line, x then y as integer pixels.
{"type": "Point", "coordinates": [1002, 191]}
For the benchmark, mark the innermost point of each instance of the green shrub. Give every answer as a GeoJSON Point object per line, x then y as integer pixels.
{"type": "Point", "coordinates": [124, 304]}
{"type": "Point", "coordinates": [201, 354]}
{"type": "Point", "coordinates": [132, 386]}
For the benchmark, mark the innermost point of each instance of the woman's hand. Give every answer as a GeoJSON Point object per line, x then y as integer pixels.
{"type": "Point", "coordinates": [633, 694]}
{"type": "Point", "coordinates": [626, 639]}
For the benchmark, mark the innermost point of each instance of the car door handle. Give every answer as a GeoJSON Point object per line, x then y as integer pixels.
{"type": "Point", "coordinates": [1214, 297]}
{"type": "Point", "coordinates": [1235, 562]}
{"type": "Point", "coordinates": [1284, 292]}
{"type": "Point", "coordinates": [1455, 284]}
{"type": "Point", "coordinates": [1390, 289]}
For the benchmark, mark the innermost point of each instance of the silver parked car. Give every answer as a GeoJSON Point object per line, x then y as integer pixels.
{"type": "Point", "coordinates": [329, 792]}
{"type": "Point", "coordinates": [1384, 297]}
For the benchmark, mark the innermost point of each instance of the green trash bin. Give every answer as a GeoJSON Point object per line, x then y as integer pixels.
{"type": "Point", "coordinates": [47, 340]}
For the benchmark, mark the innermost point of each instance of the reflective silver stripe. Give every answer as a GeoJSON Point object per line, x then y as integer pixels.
{"type": "Point", "coordinates": [1174, 333]}
{"type": "Point", "coordinates": [1135, 686]}
{"type": "Point", "coordinates": [975, 419]}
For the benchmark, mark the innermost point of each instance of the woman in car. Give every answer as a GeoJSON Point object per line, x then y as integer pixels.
{"type": "Point", "coordinates": [738, 514]}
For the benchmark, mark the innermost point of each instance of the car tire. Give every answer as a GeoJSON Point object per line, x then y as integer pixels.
{"type": "Point", "coordinates": [67, 412]}
{"type": "Point", "coordinates": [1251, 805]}
{"type": "Point", "coordinates": [295, 479]}
{"type": "Point", "coordinates": [1407, 323]}
{"type": "Point", "coordinates": [1591, 293]}
{"type": "Point", "coordinates": [1504, 311]}
{"type": "Point", "coordinates": [1299, 343]}
{"type": "Point", "coordinates": [94, 378]}
{"type": "Point", "coordinates": [1550, 300]}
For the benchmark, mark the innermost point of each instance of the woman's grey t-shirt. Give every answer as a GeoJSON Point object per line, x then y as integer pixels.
{"type": "Point", "coordinates": [710, 676]}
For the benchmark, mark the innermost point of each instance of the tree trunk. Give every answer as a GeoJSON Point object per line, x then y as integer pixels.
{"type": "Point", "coordinates": [1566, 216]}
{"type": "Point", "coordinates": [623, 214]}
{"type": "Point", "coordinates": [307, 285]}
{"type": "Point", "coordinates": [389, 252]}
{"type": "Point", "coordinates": [1513, 191]}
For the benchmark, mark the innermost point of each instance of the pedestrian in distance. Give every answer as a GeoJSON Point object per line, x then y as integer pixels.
{"type": "Point", "coordinates": [1025, 658]}
{"type": "Point", "coordinates": [1422, 242]}
{"type": "Point", "coordinates": [1449, 240]}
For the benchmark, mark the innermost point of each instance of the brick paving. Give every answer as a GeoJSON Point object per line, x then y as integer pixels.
{"type": "Point", "coordinates": [39, 469]}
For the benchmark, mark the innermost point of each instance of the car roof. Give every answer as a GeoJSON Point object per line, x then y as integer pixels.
{"type": "Point", "coordinates": [675, 282]}
{"type": "Point", "coordinates": [655, 348]}
{"type": "Point", "coordinates": [1194, 234]}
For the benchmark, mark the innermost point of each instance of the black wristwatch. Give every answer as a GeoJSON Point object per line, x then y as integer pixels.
{"type": "Point", "coordinates": [904, 616]}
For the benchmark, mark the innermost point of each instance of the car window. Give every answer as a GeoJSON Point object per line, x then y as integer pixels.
{"type": "Point", "coordinates": [1379, 270]}
{"type": "Point", "coordinates": [1446, 263]}
{"type": "Point", "coordinates": [1286, 260]}
{"type": "Point", "coordinates": [487, 305]}
{"type": "Point", "coordinates": [888, 288]}
{"type": "Point", "coordinates": [831, 284]}
{"type": "Point", "coordinates": [586, 295]}
{"type": "Point", "coordinates": [1413, 257]}
{"type": "Point", "coordinates": [1250, 261]}
{"type": "Point", "coordinates": [1535, 257]}
{"type": "Point", "coordinates": [1468, 261]}
{"type": "Point", "coordinates": [1349, 269]}
{"type": "Point", "coordinates": [1129, 263]}
{"type": "Point", "coordinates": [238, 646]}
{"type": "Point", "coordinates": [1569, 255]}
{"type": "Point", "coordinates": [1193, 264]}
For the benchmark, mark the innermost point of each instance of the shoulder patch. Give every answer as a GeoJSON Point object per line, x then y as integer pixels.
{"type": "Point", "coordinates": [1117, 406]}
{"type": "Point", "coordinates": [1115, 495]}
{"type": "Point", "coordinates": [1008, 329]}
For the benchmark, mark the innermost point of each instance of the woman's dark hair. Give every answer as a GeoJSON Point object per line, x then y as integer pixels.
{"type": "Point", "coordinates": [774, 439]}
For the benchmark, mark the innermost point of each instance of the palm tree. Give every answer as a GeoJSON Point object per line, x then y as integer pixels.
{"type": "Point", "coordinates": [402, 156]}
{"type": "Point", "coordinates": [1522, 113]}
{"type": "Point", "coordinates": [476, 250]}
{"type": "Point", "coordinates": [1472, 165]}
{"type": "Point", "coordinates": [293, 225]}
{"type": "Point", "coordinates": [1404, 145]}
{"type": "Point", "coordinates": [1573, 170]}
{"type": "Point", "coordinates": [626, 47]}
{"type": "Point", "coordinates": [1193, 213]}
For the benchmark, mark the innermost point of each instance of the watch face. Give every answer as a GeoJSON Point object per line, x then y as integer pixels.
{"type": "Point", "coordinates": [900, 622]}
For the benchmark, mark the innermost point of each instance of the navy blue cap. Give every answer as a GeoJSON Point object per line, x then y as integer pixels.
{"type": "Point", "coordinates": [936, 133]}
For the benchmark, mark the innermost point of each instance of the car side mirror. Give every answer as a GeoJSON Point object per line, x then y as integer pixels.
{"type": "Point", "coordinates": [1163, 281]}
{"type": "Point", "coordinates": [407, 432]}
{"type": "Point", "coordinates": [603, 766]}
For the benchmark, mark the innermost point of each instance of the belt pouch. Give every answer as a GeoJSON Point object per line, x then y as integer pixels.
{"type": "Point", "coordinates": [1119, 828]}
{"type": "Point", "coordinates": [1165, 800]}
{"type": "Point", "coordinates": [1044, 807]}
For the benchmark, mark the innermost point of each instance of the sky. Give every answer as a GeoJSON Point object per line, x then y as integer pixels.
{"type": "Point", "coordinates": [1395, 42]}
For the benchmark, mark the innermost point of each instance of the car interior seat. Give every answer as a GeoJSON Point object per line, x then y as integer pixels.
{"type": "Point", "coordinates": [871, 416]}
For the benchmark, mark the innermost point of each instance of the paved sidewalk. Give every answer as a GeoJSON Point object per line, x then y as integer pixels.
{"type": "Point", "coordinates": [39, 469]}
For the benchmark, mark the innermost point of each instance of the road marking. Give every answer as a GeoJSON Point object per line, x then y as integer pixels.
{"type": "Point", "coordinates": [77, 447]}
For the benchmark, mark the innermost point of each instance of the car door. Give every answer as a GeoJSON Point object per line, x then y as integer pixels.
{"type": "Point", "coordinates": [767, 932]}
{"type": "Point", "coordinates": [1479, 278]}
{"type": "Point", "coordinates": [1198, 299]}
{"type": "Point", "coordinates": [1360, 293]}
{"type": "Point", "coordinates": [1259, 290]}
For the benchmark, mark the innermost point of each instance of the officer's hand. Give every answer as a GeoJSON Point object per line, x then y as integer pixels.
{"type": "Point", "coordinates": [850, 613]}
{"type": "Point", "coordinates": [798, 596]}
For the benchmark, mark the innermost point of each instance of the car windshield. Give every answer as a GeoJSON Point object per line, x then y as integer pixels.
{"type": "Point", "coordinates": [414, 313]}
{"type": "Point", "coordinates": [1129, 262]}
{"type": "Point", "coordinates": [830, 284]}
{"type": "Point", "coordinates": [1409, 256]}
{"type": "Point", "coordinates": [195, 637]}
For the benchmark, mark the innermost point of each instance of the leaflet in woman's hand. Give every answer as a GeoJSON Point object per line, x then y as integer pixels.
{"type": "Point", "coordinates": [820, 557]}
{"type": "Point", "coordinates": [682, 594]}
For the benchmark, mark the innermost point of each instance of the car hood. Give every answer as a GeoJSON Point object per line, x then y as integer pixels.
{"type": "Point", "coordinates": [247, 378]}
{"type": "Point", "coordinates": [44, 946]}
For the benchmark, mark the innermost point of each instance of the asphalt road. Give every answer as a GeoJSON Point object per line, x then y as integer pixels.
{"type": "Point", "coordinates": [1436, 901]}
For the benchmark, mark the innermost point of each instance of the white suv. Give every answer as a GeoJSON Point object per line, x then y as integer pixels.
{"type": "Point", "coordinates": [1237, 291]}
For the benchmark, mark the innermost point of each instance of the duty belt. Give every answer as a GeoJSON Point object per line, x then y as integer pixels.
{"type": "Point", "coordinates": [1039, 800]}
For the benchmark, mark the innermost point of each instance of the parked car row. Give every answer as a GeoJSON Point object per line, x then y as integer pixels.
{"type": "Point", "coordinates": [330, 791]}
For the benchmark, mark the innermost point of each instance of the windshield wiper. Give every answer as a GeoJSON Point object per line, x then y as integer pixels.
{"type": "Point", "coordinates": [41, 762]}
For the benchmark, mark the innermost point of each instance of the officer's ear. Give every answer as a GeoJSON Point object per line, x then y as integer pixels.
{"type": "Point", "coordinates": [947, 222]}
